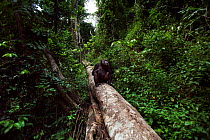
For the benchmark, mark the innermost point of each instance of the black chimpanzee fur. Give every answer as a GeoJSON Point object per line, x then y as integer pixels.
{"type": "Point", "coordinates": [102, 73]}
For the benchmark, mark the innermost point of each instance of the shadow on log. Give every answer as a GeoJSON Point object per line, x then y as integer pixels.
{"type": "Point", "coordinates": [122, 120]}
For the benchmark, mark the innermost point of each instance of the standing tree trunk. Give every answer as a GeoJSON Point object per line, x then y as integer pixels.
{"type": "Point", "coordinates": [70, 98]}
{"type": "Point", "coordinates": [75, 27]}
{"type": "Point", "coordinates": [122, 120]}
{"type": "Point", "coordinates": [55, 18]}
{"type": "Point", "coordinates": [21, 33]}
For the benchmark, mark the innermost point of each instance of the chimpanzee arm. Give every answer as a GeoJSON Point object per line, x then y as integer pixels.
{"type": "Point", "coordinates": [95, 68]}
{"type": "Point", "coordinates": [96, 78]}
{"type": "Point", "coordinates": [108, 78]}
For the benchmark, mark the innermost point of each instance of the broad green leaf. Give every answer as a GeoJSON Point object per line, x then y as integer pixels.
{"type": "Point", "coordinates": [24, 118]}
{"type": "Point", "coordinates": [22, 123]}
{"type": "Point", "coordinates": [17, 125]}
{"type": "Point", "coordinates": [10, 55]}
{"type": "Point", "coordinates": [2, 123]}
{"type": "Point", "coordinates": [8, 128]}
{"type": "Point", "coordinates": [24, 72]}
{"type": "Point", "coordinates": [6, 123]}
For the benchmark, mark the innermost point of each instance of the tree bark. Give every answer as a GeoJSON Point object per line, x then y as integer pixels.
{"type": "Point", "coordinates": [95, 129]}
{"type": "Point", "coordinates": [21, 33]}
{"type": "Point", "coordinates": [123, 121]}
{"type": "Point", "coordinates": [72, 98]}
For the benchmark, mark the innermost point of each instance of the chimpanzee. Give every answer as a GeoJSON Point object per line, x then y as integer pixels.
{"type": "Point", "coordinates": [102, 73]}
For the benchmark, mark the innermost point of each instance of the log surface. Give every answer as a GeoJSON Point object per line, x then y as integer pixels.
{"type": "Point", "coordinates": [122, 120]}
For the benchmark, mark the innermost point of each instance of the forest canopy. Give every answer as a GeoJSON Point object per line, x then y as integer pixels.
{"type": "Point", "coordinates": [159, 50]}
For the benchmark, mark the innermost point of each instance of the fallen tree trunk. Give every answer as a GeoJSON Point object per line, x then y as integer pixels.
{"type": "Point", "coordinates": [95, 129]}
{"type": "Point", "coordinates": [123, 121]}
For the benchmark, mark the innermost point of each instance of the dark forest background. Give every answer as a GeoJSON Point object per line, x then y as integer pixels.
{"type": "Point", "coordinates": [159, 50]}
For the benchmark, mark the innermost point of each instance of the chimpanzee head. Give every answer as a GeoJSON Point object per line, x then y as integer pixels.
{"type": "Point", "coordinates": [104, 62]}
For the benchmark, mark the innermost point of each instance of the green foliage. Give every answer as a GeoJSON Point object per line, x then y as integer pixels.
{"type": "Point", "coordinates": [159, 51]}
{"type": "Point", "coordinates": [194, 15]}
{"type": "Point", "coordinates": [39, 135]}
{"type": "Point", "coordinates": [160, 79]}
{"type": "Point", "coordinates": [135, 31]}
{"type": "Point", "coordinates": [9, 124]}
{"type": "Point", "coordinates": [161, 63]}
{"type": "Point", "coordinates": [10, 55]}
{"type": "Point", "coordinates": [28, 85]}
{"type": "Point", "coordinates": [25, 72]}
{"type": "Point", "coordinates": [60, 135]}
{"type": "Point", "coordinates": [180, 117]}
